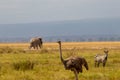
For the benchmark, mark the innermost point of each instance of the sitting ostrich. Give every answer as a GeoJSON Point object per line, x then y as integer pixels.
{"type": "Point", "coordinates": [73, 63]}
{"type": "Point", "coordinates": [101, 58]}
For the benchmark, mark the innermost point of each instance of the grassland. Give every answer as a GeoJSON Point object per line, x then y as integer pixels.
{"type": "Point", "coordinates": [47, 65]}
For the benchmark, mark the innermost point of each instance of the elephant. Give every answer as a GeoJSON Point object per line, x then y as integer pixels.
{"type": "Point", "coordinates": [35, 43]}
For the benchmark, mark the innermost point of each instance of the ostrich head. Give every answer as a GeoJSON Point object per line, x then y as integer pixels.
{"type": "Point", "coordinates": [59, 42]}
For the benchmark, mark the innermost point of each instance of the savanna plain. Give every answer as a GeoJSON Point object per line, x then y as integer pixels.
{"type": "Point", "coordinates": [17, 62]}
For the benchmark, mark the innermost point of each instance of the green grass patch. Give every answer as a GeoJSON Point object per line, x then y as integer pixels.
{"type": "Point", "coordinates": [46, 65]}
{"type": "Point", "coordinates": [23, 65]}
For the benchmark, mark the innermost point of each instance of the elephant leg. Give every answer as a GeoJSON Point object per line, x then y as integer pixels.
{"type": "Point", "coordinates": [39, 46]}
{"type": "Point", "coordinates": [31, 46]}
{"type": "Point", "coordinates": [36, 47]}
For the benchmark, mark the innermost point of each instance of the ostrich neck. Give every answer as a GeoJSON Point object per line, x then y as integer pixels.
{"type": "Point", "coordinates": [61, 54]}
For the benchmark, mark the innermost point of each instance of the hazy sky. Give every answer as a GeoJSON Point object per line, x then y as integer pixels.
{"type": "Point", "coordinates": [27, 11]}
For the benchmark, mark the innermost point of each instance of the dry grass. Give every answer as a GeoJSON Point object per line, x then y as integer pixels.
{"type": "Point", "coordinates": [69, 45]}
{"type": "Point", "coordinates": [48, 65]}
{"type": "Point", "coordinates": [15, 45]}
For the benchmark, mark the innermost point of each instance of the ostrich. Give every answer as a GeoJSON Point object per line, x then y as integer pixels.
{"type": "Point", "coordinates": [73, 63]}
{"type": "Point", "coordinates": [101, 58]}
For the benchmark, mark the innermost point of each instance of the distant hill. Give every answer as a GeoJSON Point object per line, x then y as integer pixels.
{"type": "Point", "coordinates": [71, 30]}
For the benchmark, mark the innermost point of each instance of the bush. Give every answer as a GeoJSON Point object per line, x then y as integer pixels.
{"type": "Point", "coordinates": [6, 50]}
{"type": "Point", "coordinates": [19, 51]}
{"type": "Point", "coordinates": [11, 50]}
{"type": "Point", "coordinates": [23, 65]}
{"type": "Point", "coordinates": [44, 51]}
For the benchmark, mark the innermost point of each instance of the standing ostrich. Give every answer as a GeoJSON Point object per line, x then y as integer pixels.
{"type": "Point", "coordinates": [73, 63]}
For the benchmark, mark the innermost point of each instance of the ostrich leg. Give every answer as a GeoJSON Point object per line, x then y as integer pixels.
{"type": "Point", "coordinates": [76, 74]}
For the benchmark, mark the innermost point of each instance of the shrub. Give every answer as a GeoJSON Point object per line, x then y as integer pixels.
{"type": "Point", "coordinates": [11, 50]}
{"type": "Point", "coordinates": [19, 51]}
{"type": "Point", "coordinates": [44, 51]}
{"type": "Point", "coordinates": [24, 65]}
{"type": "Point", "coordinates": [6, 50]}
